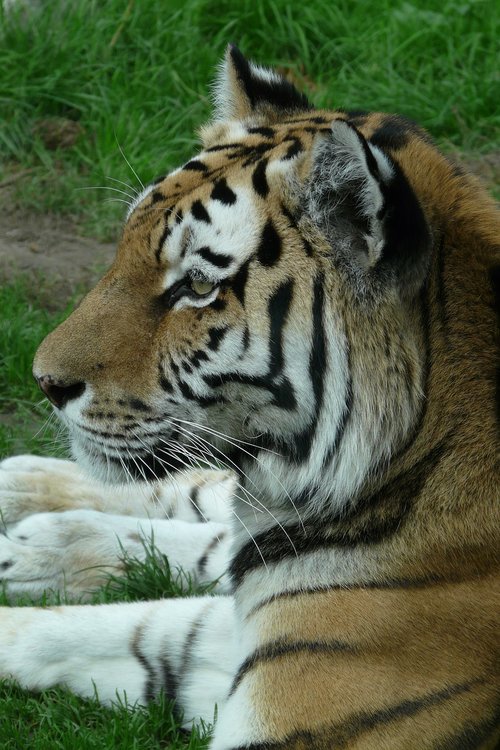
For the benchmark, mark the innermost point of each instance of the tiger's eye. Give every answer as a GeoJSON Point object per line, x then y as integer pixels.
{"type": "Point", "coordinates": [202, 288]}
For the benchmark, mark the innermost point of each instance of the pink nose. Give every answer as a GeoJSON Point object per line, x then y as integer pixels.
{"type": "Point", "coordinates": [58, 393]}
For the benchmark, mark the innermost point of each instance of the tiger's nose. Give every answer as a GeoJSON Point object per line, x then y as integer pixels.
{"type": "Point", "coordinates": [59, 393]}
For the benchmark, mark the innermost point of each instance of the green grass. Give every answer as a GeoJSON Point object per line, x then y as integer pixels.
{"type": "Point", "coordinates": [135, 76]}
{"type": "Point", "coordinates": [138, 75]}
{"type": "Point", "coordinates": [24, 322]}
{"type": "Point", "coordinates": [57, 719]}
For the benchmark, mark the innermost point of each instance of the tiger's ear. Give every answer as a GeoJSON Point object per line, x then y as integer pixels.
{"type": "Point", "coordinates": [243, 89]}
{"type": "Point", "coordinates": [361, 200]}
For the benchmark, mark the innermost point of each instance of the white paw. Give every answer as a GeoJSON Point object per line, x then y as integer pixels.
{"type": "Point", "coordinates": [69, 552]}
{"type": "Point", "coordinates": [31, 484]}
{"type": "Point", "coordinates": [29, 463]}
{"type": "Point", "coordinates": [31, 570]}
{"type": "Point", "coordinates": [60, 529]}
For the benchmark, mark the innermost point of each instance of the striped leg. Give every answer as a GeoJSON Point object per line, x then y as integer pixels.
{"type": "Point", "coordinates": [185, 646]}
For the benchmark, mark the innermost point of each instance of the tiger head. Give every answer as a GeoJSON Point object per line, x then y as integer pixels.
{"type": "Point", "coordinates": [301, 301]}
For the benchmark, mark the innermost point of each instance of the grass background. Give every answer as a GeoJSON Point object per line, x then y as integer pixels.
{"type": "Point", "coordinates": [86, 83]}
{"type": "Point", "coordinates": [138, 74]}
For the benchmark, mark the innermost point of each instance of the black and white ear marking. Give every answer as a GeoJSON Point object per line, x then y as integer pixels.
{"type": "Point", "coordinates": [243, 88]}
{"type": "Point", "coordinates": [363, 203]}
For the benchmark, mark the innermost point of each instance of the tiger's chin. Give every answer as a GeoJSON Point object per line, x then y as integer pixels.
{"type": "Point", "coordinates": [150, 465]}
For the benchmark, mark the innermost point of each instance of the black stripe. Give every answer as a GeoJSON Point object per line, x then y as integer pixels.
{"type": "Point", "coordinates": [259, 180]}
{"type": "Point", "coordinates": [284, 395]}
{"type": "Point", "coordinates": [347, 411]}
{"type": "Point", "coordinates": [246, 339]}
{"type": "Point", "coordinates": [194, 500]}
{"type": "Point", "coordinates": [220, 260]}
{"type": "Point", "coordinates": [255, 153]}
{"type": "Point", "coordinates": [266, 132]}
{"type": "Point", "coordinates": [290, 216]}
{"type": "Point", "coordinates": [151, 466]}
{"type": "Point", "coordinates": [165, 384]}
{"type": "Point", "coordinates": [370, 520]}
{"type": "Point", "coordinates": [295, 148]}
{"type": "Point", "coordinates": [202, 562]}
{"type": "Point", "coordinates": [317, 119]}
{"type": "Point", "coordinates": [357, 117]}
{"type": "Point", "coordinates": [475, 735]}
{"type": "Point", "coordinates": [190, 642]}
{"type": "Point", "coordinates": [150, 686]}
{"type": "Point", "coordinates": [137, 405]}
{"type": "Point", "coordinates": [279, 648]}
{"type": "Point", "coordinates": [293, 223]}
{"type": "Point", "coordinates": [200, 213]}
{"type": "Point", "coordinates": [224, 147]}
{"type": "Point", "coordinates": [161, 242]}
{"type": "Point", "coordinates": [342, 734]}
{"type": "Point", "coordinates": [427, 364]}
{"type": "Point", "coordinates": [395, 131]}
{"type": "Point", "coordinates": [198, 356]}
{"type": "Point", "coordinates": [239, 282]}
{"type": "Point", "coordinates": [222, 193]}
{"type": "Point", "coordinates": [215, 337]}
{"type": "Point", "coordinates": [188, 393]}
{"type": "Point", "coordinates": [278, 92]}
{"type": "Point", "coordinates": [317, 365]}
{"type": "Point", "coordinates": [170, 686]}
{"type": "Point", "coordinates": [195, 166]}
{"type": "Point", "coordinates": [218, 304]}
{"type": "Point", "coordinates": [390, 584]}
{"type": "Point", "coordinates": [157, 196]}
{"type": "Point", "coordinates": [269, 250]}
{"type": "Point", "coordinates": [278, 307]}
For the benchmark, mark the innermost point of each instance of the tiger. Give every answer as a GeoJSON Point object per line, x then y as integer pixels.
{"type": "Point", "coordinates": [312, 302]}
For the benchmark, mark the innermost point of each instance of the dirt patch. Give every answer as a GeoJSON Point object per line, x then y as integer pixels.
{"type": "Point", "coordinates": [51, 247]}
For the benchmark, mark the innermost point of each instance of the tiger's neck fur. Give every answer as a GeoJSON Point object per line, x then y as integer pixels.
{"type": "Point", "coordinates": [452, 435]}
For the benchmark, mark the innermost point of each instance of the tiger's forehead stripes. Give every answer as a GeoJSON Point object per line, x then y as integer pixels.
{"type": "Point", "coordinates": [234, 175]}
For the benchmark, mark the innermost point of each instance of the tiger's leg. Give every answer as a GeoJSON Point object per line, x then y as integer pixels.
{"type": "Point", "coordinates": [184, 646]}
{"type": "Point", "coordinates": [75, 551]}
{"type": "Point", "coordinates": [31, 484]}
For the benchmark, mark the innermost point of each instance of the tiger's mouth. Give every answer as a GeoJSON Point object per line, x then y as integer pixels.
{"type": "Point", "coordinates": [151, 465]}
{"type": "Point", "coordinates": [149, 461]}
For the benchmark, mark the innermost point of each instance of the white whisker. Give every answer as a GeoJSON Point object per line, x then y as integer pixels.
{"type": "Point", "coordinates": [128, 163]}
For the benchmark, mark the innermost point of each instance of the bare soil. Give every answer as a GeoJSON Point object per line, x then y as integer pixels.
{"type": "Point", "coordinates": [49, 247]}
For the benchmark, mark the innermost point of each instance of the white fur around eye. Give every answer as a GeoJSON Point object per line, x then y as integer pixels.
{"type": "Point", "coordinates": [192, 301]}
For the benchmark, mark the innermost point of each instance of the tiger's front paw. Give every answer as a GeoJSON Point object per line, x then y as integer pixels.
{"type": "Point", "coordinates": [31, 484]}
{"type": "Point", "coordinates": [70, 553]}
{"type": "Point", "coordinates": [26, 570]}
